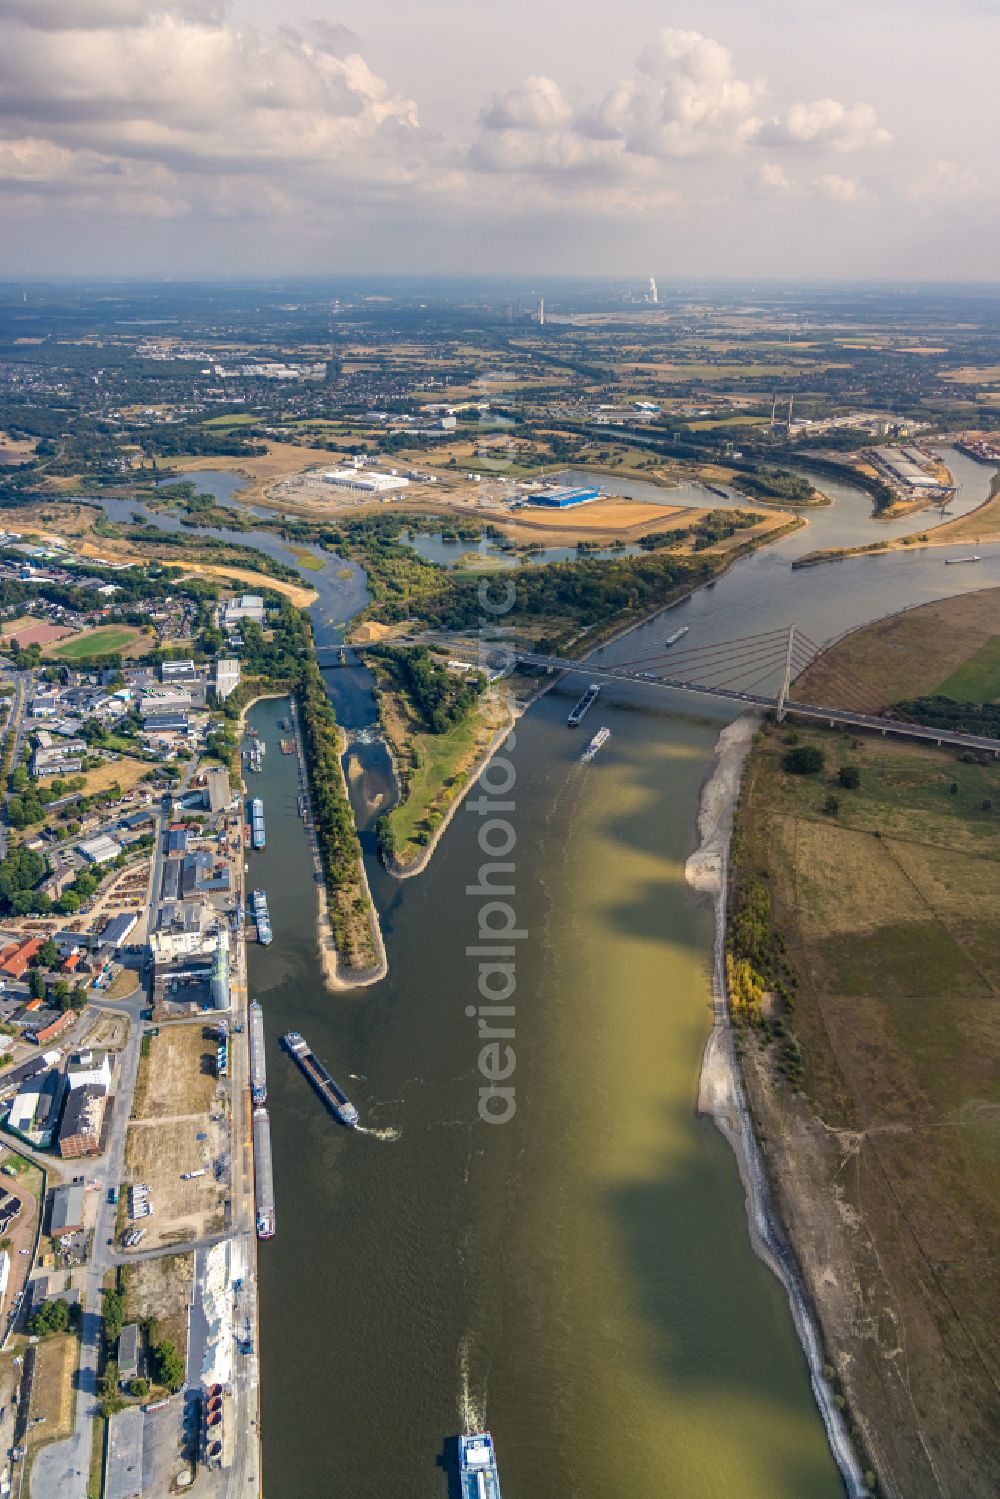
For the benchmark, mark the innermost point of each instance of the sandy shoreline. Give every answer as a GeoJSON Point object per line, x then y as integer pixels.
{"type": "Point", "coordinates": [721, 1094]}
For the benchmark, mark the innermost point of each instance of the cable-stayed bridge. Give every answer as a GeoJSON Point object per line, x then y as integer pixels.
{"type": "Point", "coordinates": [733, 670]}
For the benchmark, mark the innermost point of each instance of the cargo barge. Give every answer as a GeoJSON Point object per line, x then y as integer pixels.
{"type": "Point", "coordinates": [332, 1094]}
{"type": "Point", "coordinates": [263, 1174]}
{"type": "Point", "coordinates": [258, 1069]}
{"type": "Point", "coordinates": [586, 702]}
{"type": "Point", "coordinates": [477, 1467]}
{"type": "Point", "coordinates": [677, 635]}
{"type": "Point", "coordinates": [258, 835]}
{"type": "Point", "coordinates": [261, 916]}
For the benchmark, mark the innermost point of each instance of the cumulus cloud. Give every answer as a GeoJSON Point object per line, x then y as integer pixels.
{"type": "Point", "coordinates": [825, 125]}
{"type": "Point", "coordinates": [943, 181]}
{"type": "Point", "coordinates": [178, 88]}
{"type": "Point", "coordinates": [773, 176]}
{"type": "Point", "coordinates": [173, 106]}
{"type": "Point", "coordinates": [840, 189]}
{"type": "Point", "coordinates": [683, 102]}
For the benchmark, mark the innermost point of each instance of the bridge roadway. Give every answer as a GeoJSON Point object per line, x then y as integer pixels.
{"type": "Point", "coordinates": [595, 672]}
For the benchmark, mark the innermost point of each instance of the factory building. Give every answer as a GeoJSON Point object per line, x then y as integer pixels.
{"type": "Point", "coordinates": [227, 676]}
{"type": "Point", "coordinates": [364, 482]}
{"type": "Point", "coordinates": [562, 497]}
{"type": "Point", "coordinates": [80, 1131]}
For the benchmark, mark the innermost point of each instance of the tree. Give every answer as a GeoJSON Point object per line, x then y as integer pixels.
{"type": "Point", "coordinates": [804, 760]}
{"type": "Point", "coordinates": [78, 999]}
{"type": "Point", "coordinates": [48, 954]}
{"type": "Point", "coordinates": [36, 984]}
{"type": "Point", "coordinates": [168, 1365]}
{"type": "Point", "coordinates": [831, 806]}
{"type": "Point", "coordinates": [52, 1316]}
{"type": "Point", "coordinates": [60, 992]}
{"type": "Point", "coordinates": [849, 777]}
{"type": "Point", "coordinates": [139, 1388]}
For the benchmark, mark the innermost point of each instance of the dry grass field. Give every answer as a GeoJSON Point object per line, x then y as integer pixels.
{"type": "Point", "coordinates": [52, 1394]}
{"type": "Point", "coordinates": [906, 654]}
{"type": "Point", "coordinates": [613, 517]}
{"type": "Point", "coordinates": [886, 1158]}
{"type": "Point", "coordinates": [178, 1075]}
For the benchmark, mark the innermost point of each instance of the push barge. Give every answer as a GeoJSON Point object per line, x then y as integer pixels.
{"type": "Point", "coordinates": [586, 702]}
{"type": "Point", "coordinates": [263, 1174]}
{"type": "Point", "coordinates": [332, 1094]}
{"type": "Point", "coordinates": [477, 1467]}
{"type": "Point", "coordinates": [258, 1069]}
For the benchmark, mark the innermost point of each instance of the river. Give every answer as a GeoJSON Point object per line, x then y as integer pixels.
{"type": "Point", "coordinates": [580, 1278]}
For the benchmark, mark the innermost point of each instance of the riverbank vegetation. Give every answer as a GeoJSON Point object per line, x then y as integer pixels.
{"type": "Point", "coordinates": [438, 723]}
{"type": "Point", "coordinates": [863, 944]}
{"type": "Point", "coordinates": [352, 917]}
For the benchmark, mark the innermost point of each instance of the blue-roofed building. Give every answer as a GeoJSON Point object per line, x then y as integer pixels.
{"type": "Point", "coordinates": [177, 839]}
{"type": "Point", "coordinates": [563, 496]}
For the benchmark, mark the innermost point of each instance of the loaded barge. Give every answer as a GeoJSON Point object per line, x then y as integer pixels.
{"type": "Point", "coordinates": [586, 702]}
{"type": "Point", "coordinates": [477, 1467]}
{"type": "Point", "coordinates": [263, 1174]}
{"type": "Point", "coordinates": [258, 835]}
{"type": "Point", "coordinates": [332, 1094]}
{"type": "Point", "coordinates": [258, 1070]}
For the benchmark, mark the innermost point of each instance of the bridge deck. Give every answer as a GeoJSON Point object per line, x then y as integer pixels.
{"type": "Point", "coordinates": [594, 671]}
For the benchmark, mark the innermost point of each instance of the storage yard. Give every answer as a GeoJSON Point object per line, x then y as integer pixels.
{"type": "Point", "coordinates": [179, 1127]}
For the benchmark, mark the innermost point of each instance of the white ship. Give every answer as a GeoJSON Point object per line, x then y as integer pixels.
{"type": "Point", "coordinates": [601, 737]}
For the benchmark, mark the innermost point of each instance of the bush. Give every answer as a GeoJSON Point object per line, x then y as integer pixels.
{"type": "Point", "coordinates": [804, 760]}
{"type": "Point", "coordinates": [831, 806]}
{"type": "Point", "coordinates": [849, 777]}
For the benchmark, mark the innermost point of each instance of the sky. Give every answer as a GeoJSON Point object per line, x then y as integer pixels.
{"type": "Point", "coordinates": [785, 138]}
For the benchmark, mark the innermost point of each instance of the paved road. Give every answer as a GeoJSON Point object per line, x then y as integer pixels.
{"type": "Point", "coordinates": [64, 1468]}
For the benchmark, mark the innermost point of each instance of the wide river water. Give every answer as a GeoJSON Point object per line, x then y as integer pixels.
{"type": "Point", "coordinates": [579, 1279]}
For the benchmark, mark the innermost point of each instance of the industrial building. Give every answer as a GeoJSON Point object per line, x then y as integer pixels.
{"type": "Point", "coordinates": [218, 792]}
{"type": "Point", "coordinates": [99, 850]}
{"type": "Point", "coordinates": [249, 606]}
{"type": "Point", "coordinates": [562, 497]}
{"type": "Point", "coordinates": [117, 929]}
{"type": "Point", "coordinates": [83, 1120]}
{"type": "Point", "coordinates": [34, 1113]}
{"type": "Point", "coordinates": [89, 1067]}
{"type": "Point", "coordinates": [363, 481]}
{"type": "Point", "coordinates": [66, 1210]}
{"type": "Point", "coordinates": [227, 676]}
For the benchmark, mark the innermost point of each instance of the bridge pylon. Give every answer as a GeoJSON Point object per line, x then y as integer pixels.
{"type": "Point", "coordinates": [787, 678]}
